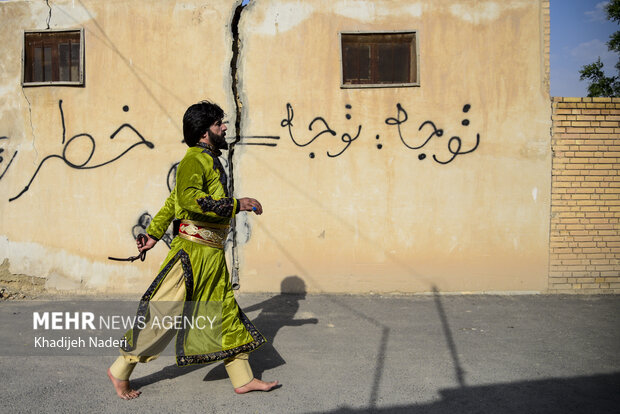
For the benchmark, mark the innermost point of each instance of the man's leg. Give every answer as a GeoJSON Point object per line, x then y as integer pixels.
{"type": "Point", "coordinates": [167, 301]}
{"type": "Point", "coordinates": [241, 376]}
{"type": "Point", "coordinates": [119, 373]}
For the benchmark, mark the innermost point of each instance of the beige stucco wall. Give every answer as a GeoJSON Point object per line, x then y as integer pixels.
{"type": "Point", "coordinates": [368, 220]}
{"type": "Point", "coordinates": [381, 220]}
{"type": "Point", "coordinates": [156, 58]}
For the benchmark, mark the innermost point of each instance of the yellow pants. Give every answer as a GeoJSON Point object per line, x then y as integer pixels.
{"type": "Point", "coordinates": [238, 368]}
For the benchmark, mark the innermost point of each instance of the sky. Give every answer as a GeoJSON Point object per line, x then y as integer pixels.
{"type": "Point", "coordinates": [579, 33]}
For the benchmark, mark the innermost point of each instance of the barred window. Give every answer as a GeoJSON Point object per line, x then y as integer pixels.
{"type": "Point", "coordinates": [53, 57]}
{"type": "Point", "coordinates": [379, 59]}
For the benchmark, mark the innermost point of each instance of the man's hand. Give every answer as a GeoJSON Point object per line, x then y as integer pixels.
{"type": "Point", "coordinates": [250, 204]}
{"type": "Point", "coordinates": [148, 245]}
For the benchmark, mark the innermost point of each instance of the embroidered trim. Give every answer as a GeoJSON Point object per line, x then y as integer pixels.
{"type": "Point", "coordinates": [143, 306]}
{"type": "Point", "coordinates": [257, 340]}
{"type": "Point", "coordinates": [204, 233]}
{"type": "Point", "coordinates": [217, 165]}
{"type": "Point", "coordinates": [206, 224]}
{"type": "Point", "coordinates": [210, 148]}
{"type": "Point", "coordinates": [222, 207]}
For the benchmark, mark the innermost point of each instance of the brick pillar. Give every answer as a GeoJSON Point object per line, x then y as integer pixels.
{"type": "Point", "coordinates": [585, 196]}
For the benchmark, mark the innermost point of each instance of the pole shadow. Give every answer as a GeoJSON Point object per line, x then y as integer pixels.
{"type": "Point", "coordinates": [576, 395]}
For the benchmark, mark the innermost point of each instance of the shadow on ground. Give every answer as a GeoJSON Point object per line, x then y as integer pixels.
{"type": "Point", "coordinates": [276, 312]}
{"type": "Point", "coordinates": [598, 394]}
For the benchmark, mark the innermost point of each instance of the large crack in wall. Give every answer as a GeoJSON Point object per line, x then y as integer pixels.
{"type": "Point", "coordinates": [49, 16]}
{"type": "Point", "coordinates": [234, 27]}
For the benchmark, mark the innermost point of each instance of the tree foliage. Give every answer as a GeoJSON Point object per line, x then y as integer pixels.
{"type": "Point", "coordinates": [599, 84]}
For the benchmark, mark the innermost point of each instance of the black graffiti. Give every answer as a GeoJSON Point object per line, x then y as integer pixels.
{"type": "Point", "coordinates": [2, 158]}
{"type": "Point", "coordinates": [379, 146]}
{"type": "Point", "coordinates": [145, 219]}
{"type": "Point", "coordinates": [288, 122]}
{"type": "Point", "coordinates": [261, 140]}
{"type": "Point", "coordinates": [455, 143]}
{"type": "Point", "coordinates": [62, 118]}
{"type": "Point", "coordinates": [143, 222]}
{"type": "Point", "coordinates": [346, 138]}
{"type": "Point", "coordinates": [171, 180]}
{"type": "Point", "coordinates": [83, 164]}
{"type": "Point", "coordinates": [428, 129]}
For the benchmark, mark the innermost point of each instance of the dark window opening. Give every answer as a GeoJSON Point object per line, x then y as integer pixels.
{"type": "Point", "coordinates": [53, 57]}
{"type": "Point", "coordinates": [381, 59]}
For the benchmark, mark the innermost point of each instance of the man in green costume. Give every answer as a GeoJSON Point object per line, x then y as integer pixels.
{"type": "Point", "coordinates": [194, 280]}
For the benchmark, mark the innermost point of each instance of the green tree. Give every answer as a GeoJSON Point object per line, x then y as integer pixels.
{"type": "Point", "coordinates": [601, 85]}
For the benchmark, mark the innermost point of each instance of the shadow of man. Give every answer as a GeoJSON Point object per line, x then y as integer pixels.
{"type": "Point", "coordinates": [276, 313]}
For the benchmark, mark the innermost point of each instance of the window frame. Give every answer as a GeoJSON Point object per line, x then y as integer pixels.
{"type": "Point", "coordinates": [81, 65]}
{"type": "Point", "coordinates": [416, 69]}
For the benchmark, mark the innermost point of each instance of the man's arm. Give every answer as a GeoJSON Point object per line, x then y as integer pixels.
{"type": "Point", "coordinates": [160, 223]}
{"type": "Point", "coordinates": [191, 197]}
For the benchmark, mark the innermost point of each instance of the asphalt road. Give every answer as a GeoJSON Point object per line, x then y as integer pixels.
{"type": "Point", "coordinates": [362, 354]}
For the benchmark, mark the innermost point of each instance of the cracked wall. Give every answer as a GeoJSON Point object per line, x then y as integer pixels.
{"type": "Point", "coordinates": [354, 200]}
{"type": "Point", "coordinates": [65, 220]}
{"type": "Point", "coordinates": [360, 208]}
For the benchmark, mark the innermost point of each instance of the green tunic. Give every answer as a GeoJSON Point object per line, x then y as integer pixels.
{"type": "Point", "coordinates": [200, 195]}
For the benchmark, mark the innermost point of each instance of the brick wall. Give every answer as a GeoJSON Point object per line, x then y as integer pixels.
{"type": "Point", "coordinates": [585, 196]}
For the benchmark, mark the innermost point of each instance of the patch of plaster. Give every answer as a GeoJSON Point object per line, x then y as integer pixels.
{"type": "Point", "coordinates": [8, 105]}
{"type": "Point", "coordinates": [281, 18]}
{"type": "Point", "coordinates": [368, 11]}
{"type": "Point", "coordinates": [454, 243]}
{"type": "Point", "coordinates": [535, 193]}
{"type": "Point", "coordinates": [480, 12]}
{"type": "Point", "coordinates": [62, 270]}
{"type": "Point", "coordinates": [535, 149]}
{"type": "Point", "coordinates": [180, 6]}
{"type": "Point", "coordinates": [199, 13]}
{"type": "Point", "coordinates": [20, 283]}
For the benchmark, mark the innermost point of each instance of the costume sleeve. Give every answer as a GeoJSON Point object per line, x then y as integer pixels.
{"type": "Point", "coordinates": [162, 219]}
{"type": "Point", "coordinates": [191, 197]}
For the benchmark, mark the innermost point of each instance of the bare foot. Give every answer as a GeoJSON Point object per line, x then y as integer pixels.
{"type": "Point", "coordinates": [256, 385]}
{"type": "Point", "coordinates": [122, 388]}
